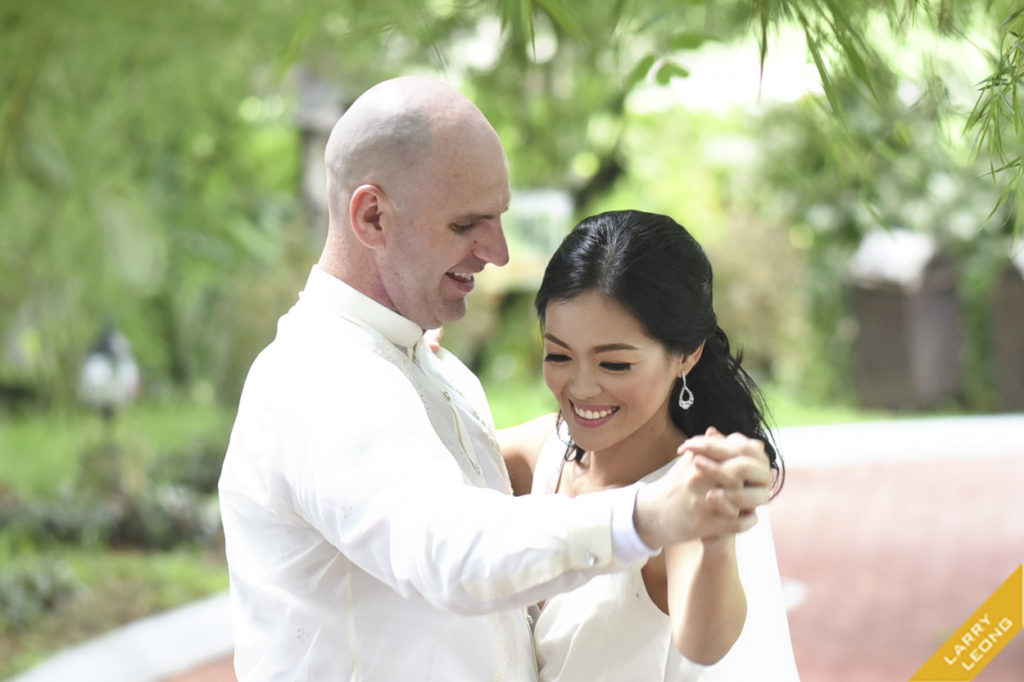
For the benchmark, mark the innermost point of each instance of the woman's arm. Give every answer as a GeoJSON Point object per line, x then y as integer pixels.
{"type": "Point", "coordinates": [705, 600]}
{"type": "Point", "coordinates": [707, 604]}
{"type": "Point", "coordinates": [520, 446]}
{"type": "Point", "coordinates": [697, 585]}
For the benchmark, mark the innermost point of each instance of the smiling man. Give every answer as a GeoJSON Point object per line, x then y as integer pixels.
{"type": "Point", "coordinates": [369, 525]}
{"type": "Point", "coordinates": [417, 183]}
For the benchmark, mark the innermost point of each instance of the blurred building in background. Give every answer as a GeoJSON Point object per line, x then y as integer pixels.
{"type": "Point", "coordinates": [907, 353]}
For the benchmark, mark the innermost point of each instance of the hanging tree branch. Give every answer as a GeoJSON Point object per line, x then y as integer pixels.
{"type": "Point", "coordinates": [998, 116]}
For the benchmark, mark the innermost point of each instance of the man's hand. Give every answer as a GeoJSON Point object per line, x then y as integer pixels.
{"type": "Point", "coordinates": [712, 490]}
{"type": "Point", "coordinates": [741, 459]}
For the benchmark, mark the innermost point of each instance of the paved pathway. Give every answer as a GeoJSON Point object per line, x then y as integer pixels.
{"type": "Point", "coordinates": [894, 533]}
{"type": "Point", "coordinates": [898, 534]}
{"type": "Point", "coordinates": [894, 558]}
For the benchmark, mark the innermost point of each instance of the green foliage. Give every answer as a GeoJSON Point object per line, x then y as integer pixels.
{"type": "Point", "coordinates": [150, 163]}
{"type": "Point", "coordinates": [28, 591]}
{"type": "Point", "coordinates": [149, 483]}
{"type": "Point", "coordinates": [41, 452]}
{"type": "Point", "coordinates": [513, 352]}
{"type": "Point", "coordinates": [110, 589]}
{"type": "Point", "coordinates": [135, 178]}
{"type": "Point", "coordinates": [998, 116]}
{"type": "Point", "coordinates": [165, 516]}
{"type": "Point", "coordinates": [516, 401]}
{"type": "Point", "coordinates": [787, 410]}
{"type": "Point", "coordinates": [146, 485]}
{"type": "Point", "coordinates": [887, 165]}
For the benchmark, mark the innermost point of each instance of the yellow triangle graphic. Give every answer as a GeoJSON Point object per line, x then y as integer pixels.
{"type": "Point", "coordinates": [981, 637]}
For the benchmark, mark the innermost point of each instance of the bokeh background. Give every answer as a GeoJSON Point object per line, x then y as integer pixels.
{"type": "Point", "coordinates": [852, 172]}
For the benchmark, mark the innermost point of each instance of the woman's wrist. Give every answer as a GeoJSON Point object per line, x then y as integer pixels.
{"type": "Point", "coordinates": [718, 546]}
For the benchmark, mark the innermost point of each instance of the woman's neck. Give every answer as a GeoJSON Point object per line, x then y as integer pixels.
{"type": "Point", "coordinates": [629, 460]}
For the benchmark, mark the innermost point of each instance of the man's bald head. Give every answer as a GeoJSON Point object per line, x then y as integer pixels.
{"type": "Point", "coordinates": [417, 182]}
{"type": "Point", "coordinates": [390, 135]}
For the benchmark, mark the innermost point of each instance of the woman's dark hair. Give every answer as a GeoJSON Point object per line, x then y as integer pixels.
{"type": "Point", "coordinates": [657, 271]}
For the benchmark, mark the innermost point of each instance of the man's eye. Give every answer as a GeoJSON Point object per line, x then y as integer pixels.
{"type": "Point", "coordinates": [617, 366]}
{"type": "Point", "coordinates": [555, 357]}
{"type": "Point", "coordinates": [462, 228]}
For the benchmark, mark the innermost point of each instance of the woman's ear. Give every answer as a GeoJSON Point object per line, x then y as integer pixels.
{"type": "Point", "coordinates": [368, 209]}
{"type": "Point", "coordinates": [690, 360]}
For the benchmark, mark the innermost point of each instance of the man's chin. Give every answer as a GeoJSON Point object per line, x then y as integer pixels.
{"type": "Point", "coordinates": [453, 312]}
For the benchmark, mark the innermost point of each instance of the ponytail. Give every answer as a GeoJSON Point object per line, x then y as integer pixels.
{"type": "Point", "coordinates": [726, 398]}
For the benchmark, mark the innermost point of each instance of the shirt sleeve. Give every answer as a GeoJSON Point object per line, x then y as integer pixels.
{"type": "Point", "coordinates": [626, 543]}
{"type": "Point", "coordinates": [368, 472]}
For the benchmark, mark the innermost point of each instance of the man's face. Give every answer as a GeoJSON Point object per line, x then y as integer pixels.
{"type": "Point", "coordinates": [447, 231]}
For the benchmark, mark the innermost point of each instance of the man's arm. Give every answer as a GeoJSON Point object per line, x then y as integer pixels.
{"type": "Point", "coordinates": [370, 474]}
{"type": "Point", "coordinates": [520, 446]}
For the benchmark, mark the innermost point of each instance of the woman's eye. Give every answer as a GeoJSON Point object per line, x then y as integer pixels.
{"type": "Point", "coordinates": [556, 357]}
{"type": "Point", "coordinates": [617, 366]}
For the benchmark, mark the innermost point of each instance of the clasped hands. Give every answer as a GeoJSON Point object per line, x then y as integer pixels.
{"type": "Point", "coordinates": [713, 489]}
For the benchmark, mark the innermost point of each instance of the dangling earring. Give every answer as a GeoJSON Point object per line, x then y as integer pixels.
{"type": "Point", "coordinates": [685, 394]}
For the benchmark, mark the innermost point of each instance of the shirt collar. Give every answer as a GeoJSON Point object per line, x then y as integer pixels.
{"type": "Point", "coordinates": [358, 307]}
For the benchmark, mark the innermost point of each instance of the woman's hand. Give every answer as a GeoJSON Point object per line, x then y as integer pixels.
{"type": "Point", "coordinates": [737, 464]}
{"type": "Point", "coordinates": [712, 490]}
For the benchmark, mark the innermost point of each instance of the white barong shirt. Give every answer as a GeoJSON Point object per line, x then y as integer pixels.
{"type": "Point", "coordinates": [368, 520]}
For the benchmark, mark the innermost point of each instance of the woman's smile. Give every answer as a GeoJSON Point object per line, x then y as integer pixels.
{"type": "Point", "coordinates": [592, 415]}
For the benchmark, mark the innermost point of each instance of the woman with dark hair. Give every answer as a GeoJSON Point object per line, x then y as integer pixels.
{"type": "Point", "coordinates": [645, 379]}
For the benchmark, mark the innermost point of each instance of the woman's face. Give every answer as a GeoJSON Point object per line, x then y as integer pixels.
{"type": "Point", "coordinates": [611, 380]}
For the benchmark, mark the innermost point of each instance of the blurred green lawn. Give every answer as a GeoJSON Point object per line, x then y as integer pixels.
{"type": "Point", "coordinates": [39, 460]}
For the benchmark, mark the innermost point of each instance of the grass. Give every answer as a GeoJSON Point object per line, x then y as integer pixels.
{"type": "Point", "coordinates": [39, 459]}
{"type": "Point", "coordinates": [786, 410]}
{"type": "Point", "coordinates": [39, 452]}
{"type": "Point", "coordinates": [118, 587]}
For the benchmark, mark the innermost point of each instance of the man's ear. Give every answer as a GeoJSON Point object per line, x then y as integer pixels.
{"type": "Point", "coordinates": [368, 210]}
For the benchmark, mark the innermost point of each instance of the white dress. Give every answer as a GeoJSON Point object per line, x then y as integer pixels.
{"type": "Point", "coordinates": [609, 629]}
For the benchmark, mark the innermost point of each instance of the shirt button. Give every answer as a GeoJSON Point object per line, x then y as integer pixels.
{"type": "Point", "coordinates": [591, 559]}
{"type": "Point", "coordinates": [446, 395]}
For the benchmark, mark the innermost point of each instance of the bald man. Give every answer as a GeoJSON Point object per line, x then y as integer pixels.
{"type": "Point", "coordinates": [369, 525]}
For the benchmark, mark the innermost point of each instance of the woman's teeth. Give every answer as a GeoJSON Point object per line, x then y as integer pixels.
{"type": "Point", "coordinates": [593, 414]}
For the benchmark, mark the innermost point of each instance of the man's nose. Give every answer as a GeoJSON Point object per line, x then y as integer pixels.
{"type": "Point", "coordinates": [492, 247]}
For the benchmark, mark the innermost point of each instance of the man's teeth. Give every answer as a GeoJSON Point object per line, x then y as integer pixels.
{"type": "Point", "coordinates": [464, 276]}
{"type": "Point", "coordinates": [592, 414]}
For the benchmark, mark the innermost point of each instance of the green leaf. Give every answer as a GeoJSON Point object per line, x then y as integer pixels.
{"type": "Point", "coordinates": [640, 71]}
{"type": "Point", "coordinates": [565, 16]}
{"type": "Point", "coordinates": [687, 40]}
{"type": "Point", "coordinates": [668, 71]}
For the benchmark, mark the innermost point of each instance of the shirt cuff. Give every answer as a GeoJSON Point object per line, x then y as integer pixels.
{"type": "Point", "coordinates": [626, 543]}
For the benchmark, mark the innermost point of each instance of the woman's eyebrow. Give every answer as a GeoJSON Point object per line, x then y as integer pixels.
{"type": "Point", "coordinates": [555, 339]}
{"type": "Point", "coordinates": [614, 346]}
{"type": "Point", "coordinates": [603, 348]}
